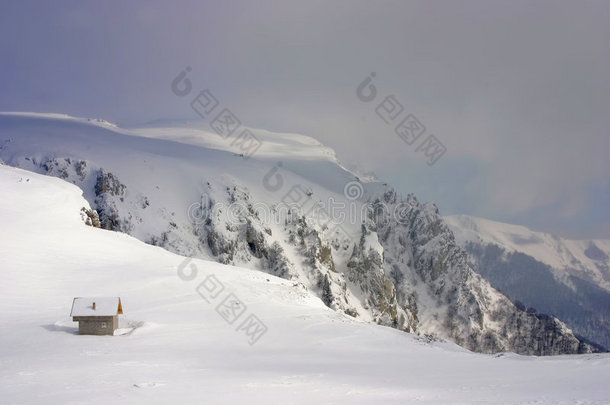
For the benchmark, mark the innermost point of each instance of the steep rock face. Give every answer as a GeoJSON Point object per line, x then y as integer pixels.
{"type": "Point", "coordinates": [453, 301]}
{"type": "Point", "coordinates": [365, 269]}
{"type": "Point", "coordinates": [107, 189]}
{"type": "Point", "coordinates": [403, 269]}
{"type": "Point", "coordinates": [300, 249]}
{"type": "Point", "coordinates": [241, 237]}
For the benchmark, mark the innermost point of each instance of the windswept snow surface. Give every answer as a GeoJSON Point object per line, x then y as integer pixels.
{"type": "Point", "coordinates": [174, 347]}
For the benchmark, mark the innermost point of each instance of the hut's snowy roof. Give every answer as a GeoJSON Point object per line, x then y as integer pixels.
{"type": "Point", "coordinates": [104, 306]}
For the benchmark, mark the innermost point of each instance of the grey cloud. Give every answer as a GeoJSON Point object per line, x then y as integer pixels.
{"type": "Point", "coordinates": [517, 90]}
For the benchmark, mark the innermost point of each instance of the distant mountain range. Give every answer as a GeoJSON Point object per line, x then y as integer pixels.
{"type": "Point", "coordinates": [567, 278]}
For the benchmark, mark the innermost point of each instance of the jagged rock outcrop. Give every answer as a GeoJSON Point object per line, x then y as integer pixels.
{"type": "Point", "coordinates": [90, 217]}
{"type": "Point", "coordinates": [365, 269]}
{"type": "Point", "coordinates": [427, 263]}
{"type": "Point", "coordinates": [106, 187]}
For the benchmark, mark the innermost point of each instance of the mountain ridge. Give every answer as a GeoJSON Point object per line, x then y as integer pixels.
{"type": "Point", "coordinates": [397, 263]}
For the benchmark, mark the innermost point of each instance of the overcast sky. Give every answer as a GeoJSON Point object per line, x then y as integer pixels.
{"type": "Point", "coordinates": [517, 91]}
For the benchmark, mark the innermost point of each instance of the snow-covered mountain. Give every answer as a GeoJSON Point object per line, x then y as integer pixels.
{"type": "Point", "coordinates": [291, 210]}
{"type": "Point", "coordinates": [174, 346]}
{"type": "Point", "coordinates": [567, 278]}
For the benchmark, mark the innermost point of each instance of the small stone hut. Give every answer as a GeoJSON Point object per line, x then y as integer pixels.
{"type": "Point", "coordinates": [96, 315]}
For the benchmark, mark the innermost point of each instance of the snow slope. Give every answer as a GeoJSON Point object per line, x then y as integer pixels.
{"type": "Point", "coordinates": [174, 347]}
